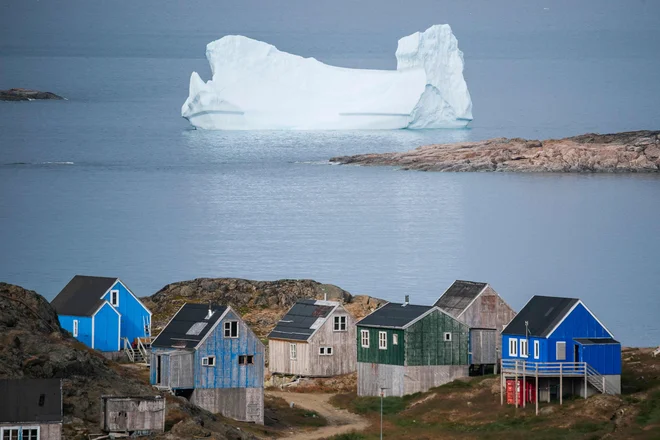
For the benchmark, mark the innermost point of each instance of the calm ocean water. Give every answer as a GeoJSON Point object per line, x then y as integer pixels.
{"type": "Point", "coordinates": [113, 182]}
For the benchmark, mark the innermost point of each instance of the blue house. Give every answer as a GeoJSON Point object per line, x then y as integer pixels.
{"type": "Point", "coordinates": [210, 356]}
{"type": "Point", "coordinates": [563, 342]}
{"type": "Point", "coordinates": [101, 312]}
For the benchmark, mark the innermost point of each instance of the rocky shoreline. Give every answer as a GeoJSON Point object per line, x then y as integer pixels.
{"type": "Point", "coordinates": [628, 152]}
{"type": "Point", "coordinates": [26, 95]}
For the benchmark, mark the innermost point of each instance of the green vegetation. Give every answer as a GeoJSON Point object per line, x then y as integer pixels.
{"type": "Point", "coordinates": [649, 412]}
{"type": "Point", "coordinates": [349, 436]}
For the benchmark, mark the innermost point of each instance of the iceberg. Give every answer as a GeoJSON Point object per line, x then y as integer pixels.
{"type": "Point", "coordinates": [256, 86]}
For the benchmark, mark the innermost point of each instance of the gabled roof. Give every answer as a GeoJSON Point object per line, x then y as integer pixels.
{"type": "Point", "coordinates": [595, 341]}
{"type": "Point", "coordinates": [395, 315]}
{"type": "Point", "coordinates": [303, 319]}
{"type": "Point", "coordinates": [542, 313]}
{"type": "Point", "coordinates": [189, 326]}
{"type": "Point", "coordinates": [459, 296]}
{"type": "Point", "coordinates": [22, 400]}
{"type": "Point", "coordinates": [82, 296]}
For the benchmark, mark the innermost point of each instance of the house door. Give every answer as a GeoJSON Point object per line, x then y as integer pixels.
{"type": "Point", "coordinates": [159, 362]}
{"type": "Point", "coordinates": [576, 353]}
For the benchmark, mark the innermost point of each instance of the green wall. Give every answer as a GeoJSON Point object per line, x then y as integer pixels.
{"type": "Point", "coordinates": [426, 345]}
{"type": "Point", "coordinates": [394, 355]}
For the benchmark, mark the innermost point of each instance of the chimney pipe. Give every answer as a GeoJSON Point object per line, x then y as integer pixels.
{"type": "Point", "coordinates": [405, 303]}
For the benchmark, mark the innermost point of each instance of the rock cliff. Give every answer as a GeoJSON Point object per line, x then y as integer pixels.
{"type": "Point", "coordinates": [26, 95]}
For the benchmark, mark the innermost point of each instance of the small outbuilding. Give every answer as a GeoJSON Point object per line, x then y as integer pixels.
{"type": "Point", "coordinates": [483, 310]}
{"type": "Point", "coordinates": [406, 349]}
{"type": "Point", "coordinates": [209, 355]}
{"type": "Point", "coordinates": [140, 415]}
{"type": "Point", "coordinates": [315, 338]}
{"type": "Point", "coordinates": [30, 409]}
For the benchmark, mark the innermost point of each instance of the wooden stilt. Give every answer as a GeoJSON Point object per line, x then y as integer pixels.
{"type": "Point", "coordinates": [585, 380]}
{"type": "Point", "coordinates": [561, 384]}
{"type": "Point", "coordinates": [501, 386]}
{"type": "Point", "coordinates": [524, 383]}
{"type": "Point", "coordinates": [515, 385]}
{"type": "Point", "coordinates": [537, 389]}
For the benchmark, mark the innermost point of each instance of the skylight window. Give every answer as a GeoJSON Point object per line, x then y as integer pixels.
{"type": "Point", "coordinates": [197, 328]}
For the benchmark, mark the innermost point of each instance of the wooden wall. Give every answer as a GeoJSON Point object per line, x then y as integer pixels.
{"type": "Point", "coordinates": [393, 355]}
{"type": "Point", "coordinates": [280, 360]}
{"type": "Point", "coordinates": [483, 343]}
{"type": "Point", "coordinates": [403, 380]}
{"type": "Point", "coordinates": [425, 344]}
{"type": "Point", "coordinates": [244, 404]}
{"type": "Point", "coordinates": [120, 414]}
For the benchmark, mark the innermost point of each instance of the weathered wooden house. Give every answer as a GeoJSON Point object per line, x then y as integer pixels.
{"type": "Point", "coordinates": [209, 355]}
{"type": "Point", "coordinates": [101, 312]}
{"type": "Point", "coordinates": [30, 409]}
{"type": "Point", "coordinates": [139, 415]}
{"type": "Point", "coordinates": [560, 346]}
{"type": "Point", "coordinates": [407, 348]}
{"type": "Point", "coordinates": [480, 307]}
{"type": "Point", "coordinates": [315, 338]}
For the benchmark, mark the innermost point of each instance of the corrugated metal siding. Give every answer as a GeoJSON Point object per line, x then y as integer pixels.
{"type": "Point", "coordinates": [84, 327]}
{"type": "Point", "coordinates": [425, 344]}
{"type": "Point", "coordinates": [394, 355]}
{"type": "Point", "coordinates": [482, 346]}
{"type": "Point", "coordinates": [606, 359]}
{"type": "Point", "coordinates": [106, 329]}
{"type": "Point", "coordinates": [580, 324]}
{"type": "Point", "coordinates": [132, 313]}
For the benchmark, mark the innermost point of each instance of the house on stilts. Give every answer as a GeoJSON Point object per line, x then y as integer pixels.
{"type": "Point", "coordinates": [405, 348]}
{"type": "Point", "coordinates": [482, 309]}
{"type": "Point", "coordinates": [556, 347]}
{"type": "Point", "coordinates": [315, 338]}
{"type": "Point", "coordinates": [31, 409]}
{"type": "Point", "coordinates": [210, 356]}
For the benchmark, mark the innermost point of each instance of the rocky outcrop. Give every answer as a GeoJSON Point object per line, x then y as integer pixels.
{"type": "Point", "coordinates": [26, 95]}
{"type": "Point", "coordinates": [637, 151]}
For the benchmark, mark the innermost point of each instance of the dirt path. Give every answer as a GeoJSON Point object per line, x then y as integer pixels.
{"type": "Point", "coordinates": [339, 421]}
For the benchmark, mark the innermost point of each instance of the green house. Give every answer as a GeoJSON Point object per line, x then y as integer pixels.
{"type": "Point", "coordinates": [404, 349]}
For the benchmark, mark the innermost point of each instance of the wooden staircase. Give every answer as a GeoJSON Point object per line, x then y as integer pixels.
{"type": "Point", "coordinates": [531, 369]}
{"type": "Point", "coordinates": [141, 354]}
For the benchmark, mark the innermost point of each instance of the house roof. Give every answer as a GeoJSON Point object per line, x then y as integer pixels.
{"type": "Point", "coordinates": [303, 319]}
{"type": "Point", "coordinates": [82, 296]}
{"type": "Point", "coordinates": [459, 295]}
{"type": "Point", "coordinates": [189, 326]}
{"type": "Point", "coordinates": [394, 315]}
{"type": "Point", "coordinates": [22, 400]}
{"type": "Point", "coordinates": [542, 313]}
{"type": "Point", "coordinates": [595, 341]}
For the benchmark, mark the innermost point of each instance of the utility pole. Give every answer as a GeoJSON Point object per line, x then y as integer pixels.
{"type": "Point", "coordinates": [382, 394]}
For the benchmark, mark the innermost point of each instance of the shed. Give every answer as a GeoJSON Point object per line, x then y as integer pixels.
{"type": "Point", "coordinates": [407, 348]}
{"type": "Point", "coordinates": [209, 355]}
{"type": "Point", "coordinates": [101, 312]}
{"type": "Point", "coordinates": [132, 414]}
{"type": "Point", "coordinates": [30, 409]}
{"type": "Point", "coordinates": [480, 307]}
{"type": "Point", "coordinates": [315, 338]}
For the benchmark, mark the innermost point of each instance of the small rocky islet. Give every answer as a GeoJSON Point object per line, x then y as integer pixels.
{"type": "Point", "coordinates": [627, 152]}
{"type": "Point", "coordinates": [19, 94]}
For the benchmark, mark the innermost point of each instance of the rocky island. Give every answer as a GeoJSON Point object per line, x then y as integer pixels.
{"type": "Point", "coordinates": [629, 152]}
{"type": "Point", "coordinates": [26, 95]}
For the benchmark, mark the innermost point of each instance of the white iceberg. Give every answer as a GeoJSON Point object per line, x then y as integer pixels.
{"type": "Point", "coordinates": [256, 86]}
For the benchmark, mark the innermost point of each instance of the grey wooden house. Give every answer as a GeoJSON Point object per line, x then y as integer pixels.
{"type": "Point", "coordinates": [482, 309]}
{"type": "Point", "coordinates": [209, 355]}
{"type": "Point", "coordinates": [315, 338]}
{"type": "Point", "coordinates": [30, 409]}
{"type": "Point", "coordinates": [407, 348]}
{"type": "Point", "coordinates": [139, 415]}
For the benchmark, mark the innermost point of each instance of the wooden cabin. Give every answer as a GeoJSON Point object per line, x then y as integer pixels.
{"type": "Point", "coordinates": [30, 409]}
{"type": "Point", "coordinates": [133, 415]}
{"type": "Point", "coordinates": [407, 349]}
{"type": "Point", "coordinates": [209, 355]}
{"type": "Point", "coordinates": [102, 312]}
{"type": "Point", "coordinates": [315, 338]}
{"type": "Point", "coordinates": [561, 348]}
{"type": "Point", "coordinates": [483, 310]}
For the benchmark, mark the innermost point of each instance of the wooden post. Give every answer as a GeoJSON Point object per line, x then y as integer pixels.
{"type": "Point", "coordinates": [537, 389]}
{"type": "Point", "coordinates": [585, 380]}
{"type": "Point", "coordinates": [603, 384]}
{"type": "Point", "coordinates": [561, 384]}
{"type": "Point", "coordinates": [515, 385]}
{"type": "Point", "coordinates": [502, 384]}
{"type": "Point", "coordinates": [524, 383]}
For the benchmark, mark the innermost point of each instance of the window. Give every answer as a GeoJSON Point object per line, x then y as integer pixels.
{"type": "Point", "coordinates": [75, 329]}
{"type": "Point", "coordinates": [246, 359]}
{"type": "Point", "coordinates": [395, 339]}
{"type": "Point", "coordinates": [340, 323]}
{"type": "Point", "coordinates": [208, 361]}
{"type": "Point", "coordinates": [382, 340]}
{"type": "Point", "coordinates": [30, 433]}
{"type": "Point", "coordinates": [524, 350]}
{"type": "Point", "coordinates": [231, 329]}
{"type": "Point", "coordinates": [513, 347]}
{"type": "Point", "coordinates": [293, 352]}
{"type": "Point", "coordinates": [364, 338]}
{"type": "Point", "coordinates": [325, 351]}
{"type": "Point", "coordinates": [561, 351]}
{"type": "Point", "coordinates": [114, 298]}
{"type": "Point", "coordinates": [446, 336]}
{"type": "Point", "coordinates": [10, 433]}
{"type": "Point", "coordinates": [537, 349]}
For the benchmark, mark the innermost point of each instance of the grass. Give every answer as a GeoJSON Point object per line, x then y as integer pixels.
{"type": "Point", "coordinates": [349, 436]}
{"type": "Point", "coordinates": [649, 412]}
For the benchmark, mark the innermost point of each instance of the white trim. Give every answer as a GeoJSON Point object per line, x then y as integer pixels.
{"type": "Point", "coordinates": [20, 429]}
{"type": "Point", "coordinates": [382, 342]}
{"type": "Point", "coordinates": [525, 353]}
{"type": "Point", "coordinates": [293, 351]}
{"type": "Point", "coordinates": [326, 351]}
{"type": "Point", "coordinates": [422, 316]}
{"type": "Point", "coordinates": [93, 336]}
{"type": "Point", "coordinates": [212, 329]}
{"type": "Point", "coordinates": [513, 353]}
{"type": "Point", "coordinates": [224, 329]}
{"type": "Point", "coordinates": [444, 336]}
{"type": "Point", "coordinates": [75, 329]}
{"type": "Point", "coordinates": [105, 301]}
{"type": "Point", "coordinates": [471, 302]}
{"type": "Point", "coordinates": [537, 349]}
{"type": "Point", "coordinates": [337, 319]}
{"type": "Point", "coordinates": [327, 318]}
{"type": "Point", "coordinates": [579, 301]}
{"type": "Point", "coordinates": [362, 338]}
{"type": "Point", "coordinates": [132, 294]}
{"type": "Point", "coordinates": [112, 292]}
{"type": "Point", "coordinates": [168, 323]}
{"type": "Point", "coordinates": [207, 359]}
{"type": "Point", "coordinates": [118, 331]}
{"type": "Point", "coordinates": [557, 350]}
{"type": "Point", "coordinates": [395, 339]}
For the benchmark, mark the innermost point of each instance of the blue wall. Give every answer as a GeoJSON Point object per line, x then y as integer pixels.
{"type": "Point", "coordinates": [132, 313]}
{"type": "Point", "coordinates": [605, 358]}
{"type": "Point", "coordinates": [580, 324]}
{"type": "Point", "coordinates": [106, 329]}
{"type": "Point", "coordinates": [227, 373]}
{"type": "Point", "coordinates": [165, 366]}
{"type": "Point", "coordinates": [84, 327]}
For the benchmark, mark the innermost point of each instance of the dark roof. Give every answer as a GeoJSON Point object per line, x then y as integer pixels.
{"type": "Point", "coordinates": [22, 400]}
{"type": "Point", "coordinates": [394, 315]}
{"type": "Point", "coordinates": [302, 320]}
{"type": "Point", "coordinates": [542, 313]}
{"type": "Point", "coordinates": [180, 333]}
{"type": "Point", "coordinates": [459, 295]}
{"type": "Point", "coordinates": [595, 341]}
{"type": "Point", "coordinates": [82, 296]}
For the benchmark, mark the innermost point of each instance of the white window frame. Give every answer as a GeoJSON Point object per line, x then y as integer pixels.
{"type": "Point", "coordinates": [364, 338]}
{"type": "Point", "coordinates": [340, 323]}
{"type": "Point", "coordinates": [325, 351]}
{"type": "Point", "coordinates": [537, 349]}
{"type": "Point", "coordinates": [382, 340]}
{"type": "Point", "coordinates": [10, 428]}
{"type": "Point", "coordinates": [293, 352]}
{"type": "Point", "coordinates": [208, 361]}
{"type": "Point", "coordinates": [227, 329]}
{"type": "Point", "coordinates": [26, 428]}
{"type": "Point", "coordinates": [446, 336]}
{"type": "Point", "coordinates": [513, 347]}
{"type": "Point", "coordinates": [524, 348]}
{"type": "Point", "coordinates": [112, 293]}
{"type": "Point", "coordinates": [395, 339]}
{"type": "Point", "coordinates": [557, 350]}
{"type": "Point", "coordinates": [75, 329]}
